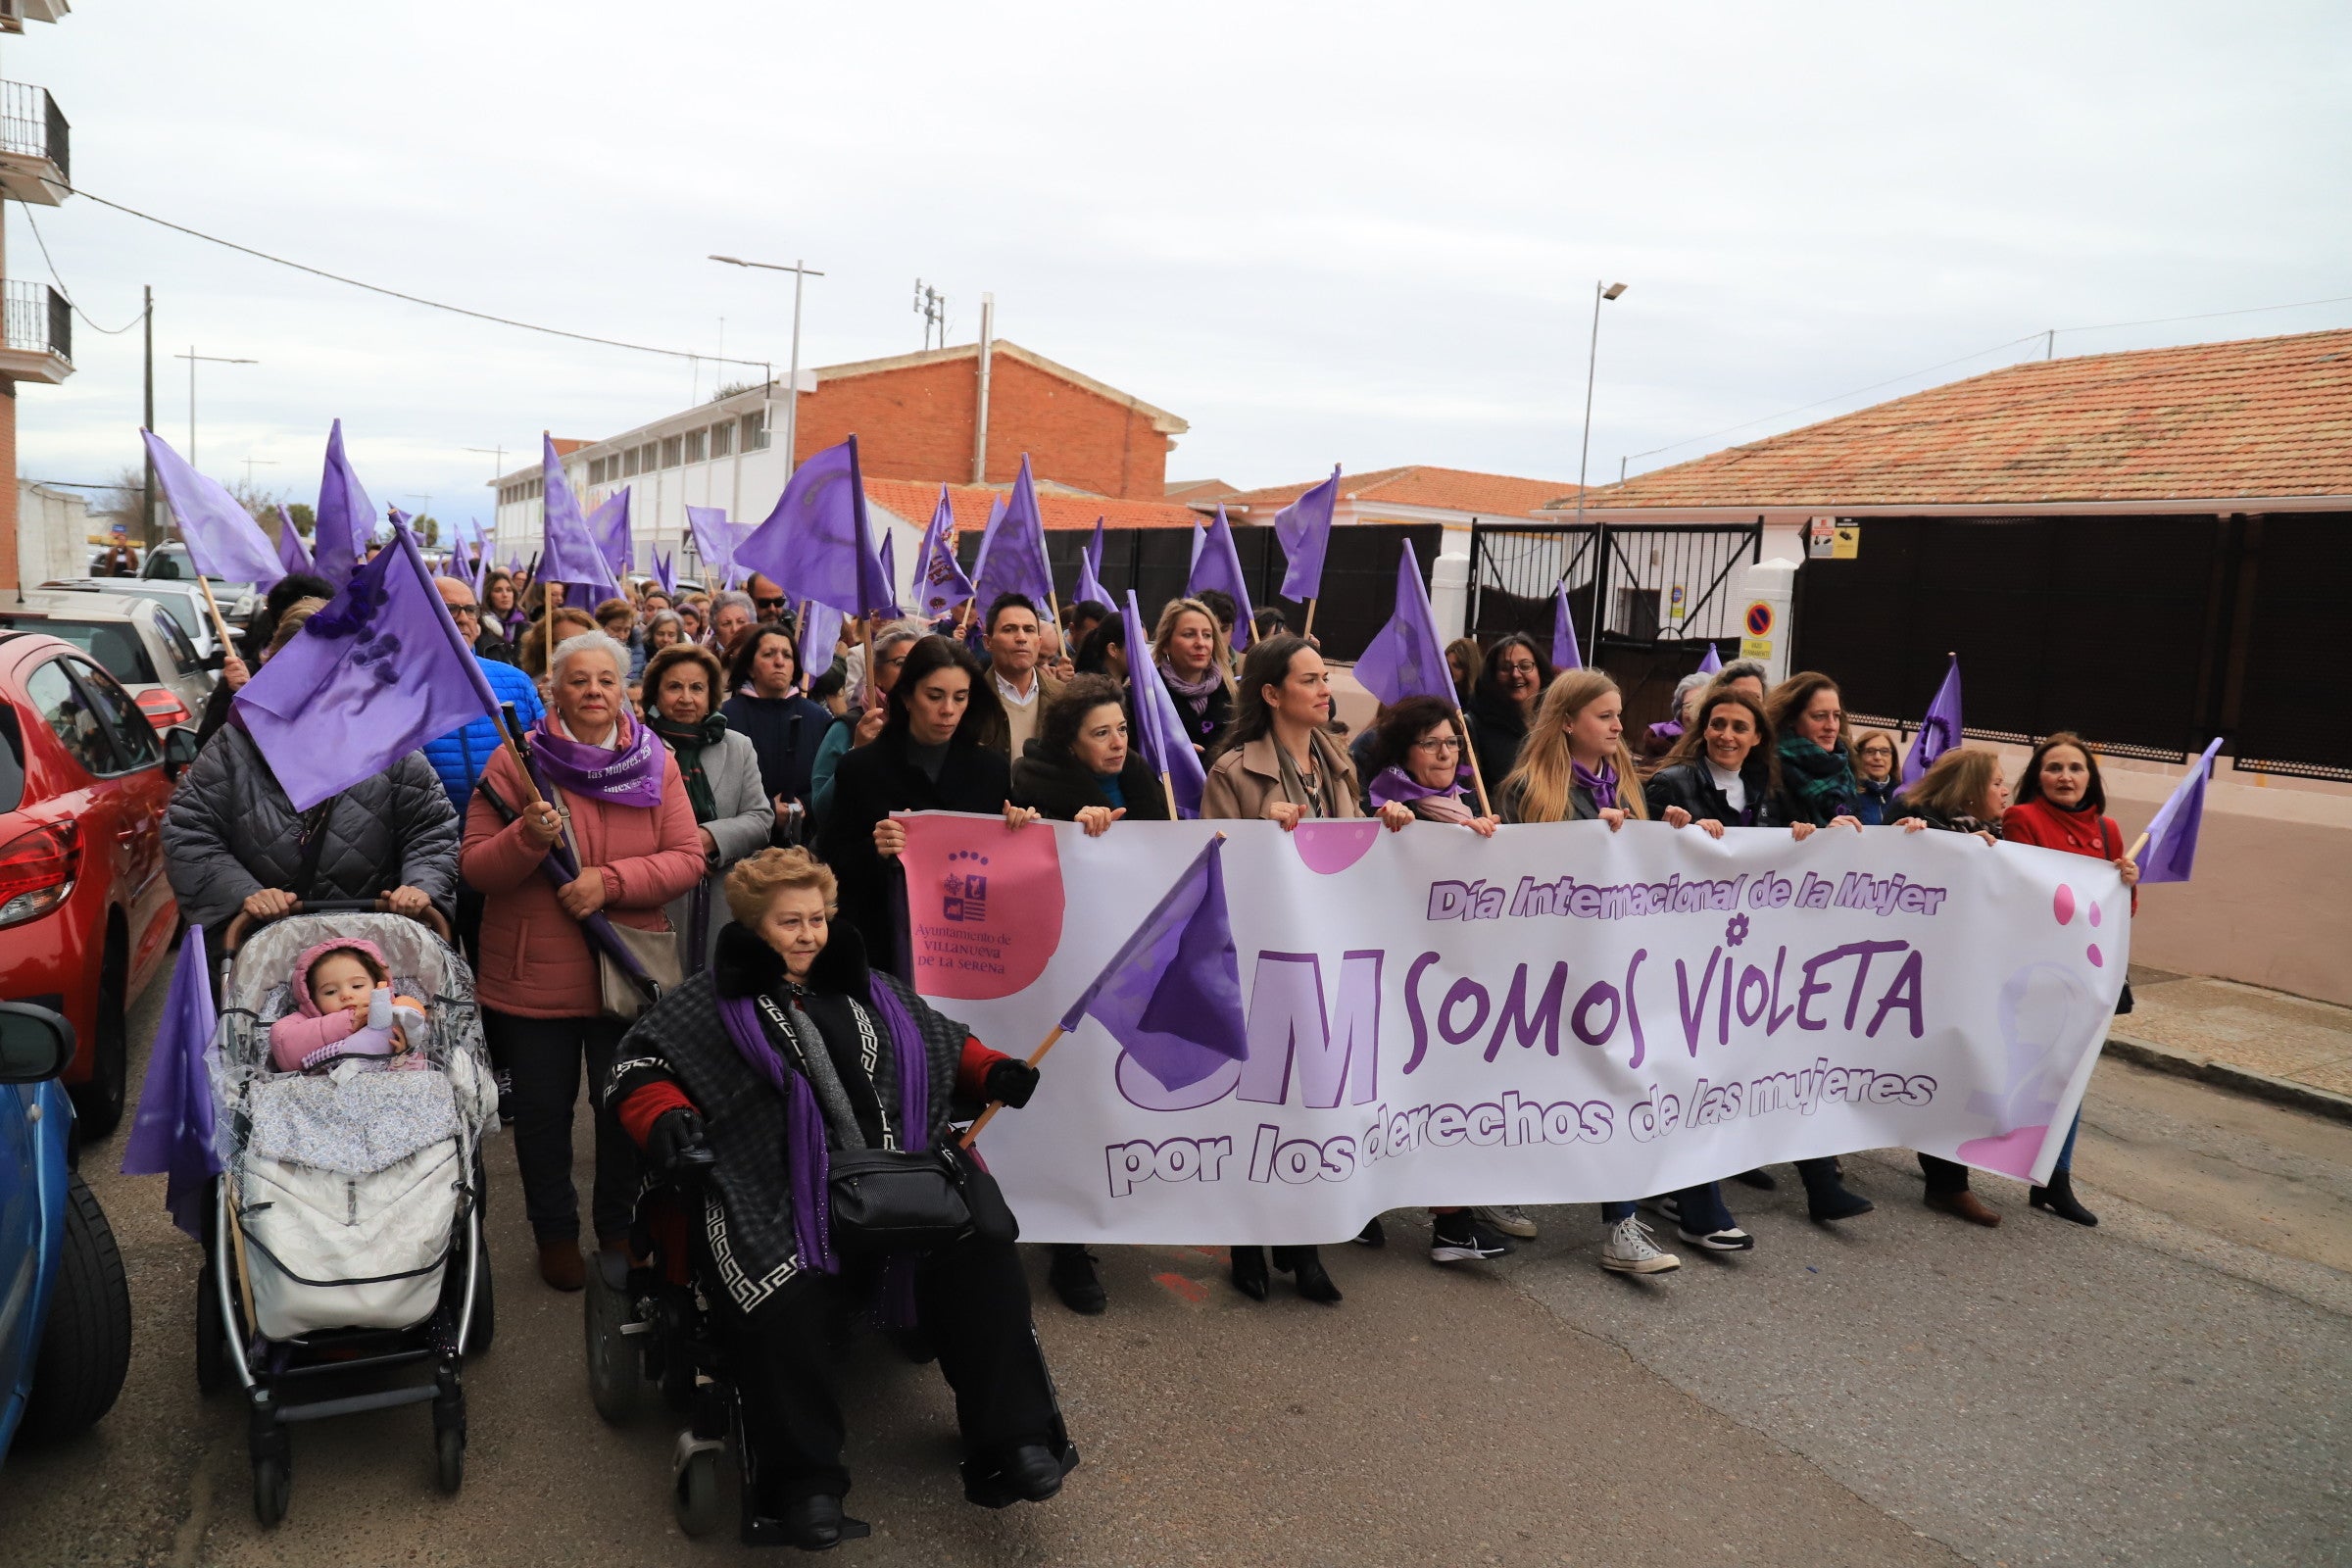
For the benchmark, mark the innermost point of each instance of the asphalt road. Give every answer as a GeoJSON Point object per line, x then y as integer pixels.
{"type": "Point", "coordinates": [2171, 1387]}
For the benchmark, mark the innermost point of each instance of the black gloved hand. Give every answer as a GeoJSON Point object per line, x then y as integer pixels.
{"type": "Point", "coordinates": [674, 1146]}
{"type": "Point", "coordinates": [1012, 1081]}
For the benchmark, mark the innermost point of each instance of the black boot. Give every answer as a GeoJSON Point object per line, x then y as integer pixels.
{"type": "Point", "coordinates": [1762, 1179]}
{"type": "Point", "coordinates": [1305, 1265]}
{"type": "Point", "coordinates": [1249, 1272]}
{"type": "Point", "coordinates": [810, 1523]}
{"type": "Point", "coordinates": [1072, 1276]}
{"type": "Point", "coordinates": [1826, 1197]}
{"type": "Point", "coordinates": [2059, 1198]}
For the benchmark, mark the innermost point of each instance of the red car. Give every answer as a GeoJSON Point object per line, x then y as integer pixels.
{"type": "Point", "coordinates": [86, 913]}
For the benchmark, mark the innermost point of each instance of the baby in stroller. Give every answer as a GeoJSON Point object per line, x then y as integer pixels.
{"type": "Point", "coordinates": [347, 1012]}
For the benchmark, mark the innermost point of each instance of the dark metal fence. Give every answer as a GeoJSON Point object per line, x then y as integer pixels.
{"type": "Point", "coordinates": [1360, 571]}
{"type": "Point", "coordinates": [2148, 635]}
{"type": "Point", "coordinates": [1663, 591]}
{"type": "Point", "coordinates": [38, 319]}
{"type": "Point", "coordinates": [33, 126]}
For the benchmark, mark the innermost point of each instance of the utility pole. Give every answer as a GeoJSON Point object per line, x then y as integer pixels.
{"type": "Point", "coordinates": [192, 356]}
{"type": "Point", "coordinates": [148, 532]}
{"type": "Point", "coordinates": [800, 273]}
{"type": "Point", "coordinates": [988, 349]}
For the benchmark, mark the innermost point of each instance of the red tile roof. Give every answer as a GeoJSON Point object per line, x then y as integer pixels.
{"type": "Point", "coordinates": [914, 500]}
{"type": "Point", "coordinates": [1191, 490]}
{"type": "Point", "coordinates": [1447, 489]}
{"type": "Point", "coordinates": [2262, 417]}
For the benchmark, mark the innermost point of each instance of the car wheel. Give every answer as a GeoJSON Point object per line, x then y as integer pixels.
{"type": "Point", "coordinates": [98, 1103]}
{"type": "Point", "coordinates": [85, 1345]}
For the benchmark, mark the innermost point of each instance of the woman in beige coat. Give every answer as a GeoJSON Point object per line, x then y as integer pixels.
{"type": "Point", "coordinates": [1279, 764]}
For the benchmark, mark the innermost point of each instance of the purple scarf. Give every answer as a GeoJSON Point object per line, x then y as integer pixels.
{"type": "Point", "coordinates": [1602, 786]}
{"type": "Point", "coordinates": [805, 1124]}
{"type": "Point", "coordinates": [1392, 785]}
{"type": "Point", "coordinates": [630, 776]}
{"type": "Point", "coordinates": [1196, 693]}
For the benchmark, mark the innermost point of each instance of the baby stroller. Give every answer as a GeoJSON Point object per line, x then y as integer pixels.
{"type": "Point", "coordinates": [343, 1242]}
{"type": "Point", "coordinates": [649, 1328]}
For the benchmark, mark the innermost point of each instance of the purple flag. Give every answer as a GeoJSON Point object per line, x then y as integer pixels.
{"type": "Point", "coordinates": [482, 574]}
{"type": "Point", "coordinates": [1303, 529]}
{"type": "Point", "coordinates": [608, 526]}
{"type": "Point", "coordinates": [715, 540]}
{"type": "Point", "coordinates": [665, 573]}
{"type": "Point", "coordinates": [1090, 572]}
{"type": "Point", "coordinates": [1565, 654]}
{"type": "Point", "coordinates": [819, 543]}
{"type": "Point", "coordinates": [371, 677]}
{"type": "Point", "coordinates": [890, 574]}
{"type": "Point", "coordinates": [224, 541]}
{"type": "Point", "coordinates": [292, 554]}
{"type": "Point", "coordinates": [1171, 997]}
{"type": "Point", "coordinates": [1712, 664]}
{"type": "Point", "coordinates": [940, 584]}
{"type": "Point", "coordinates": [1012, 552]}
{"type": "Point", "coordinates": [173, 1134]}
{"type": "Point", "coordinates": [346, 518]}
{"type": "Point", "coordinates": [1165, 743]}
{"type": "Point", "coordinates": [817, 639]}
{"type": "Point", "coordinates": [2170, 852]}
{"type": "Point", "coordinates": [1216, 564]}
{"type": "Point", "coordinates": [1407, 658]}
{"type": "Point", "coordinates": [571, 556]}
{"type": "Point", "coordinates": [1940, 731]}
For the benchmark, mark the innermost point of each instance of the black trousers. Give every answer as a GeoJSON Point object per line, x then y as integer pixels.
{"type": "Point", "coordinates": [1946, 1177]}
{"type": "Point", "coordinates": [972, 1302]}
{"type": "Point", "coordinates": [542, 1057]}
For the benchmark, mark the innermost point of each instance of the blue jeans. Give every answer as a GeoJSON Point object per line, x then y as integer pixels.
{"type": "Point", "coordinates": [1703, 1210]}
{"type": "Point", "coordinates": [2066, 1156]}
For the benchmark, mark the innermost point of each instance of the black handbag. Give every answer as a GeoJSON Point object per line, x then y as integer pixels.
{"type": "Point", "coordinates": [891, 1200]}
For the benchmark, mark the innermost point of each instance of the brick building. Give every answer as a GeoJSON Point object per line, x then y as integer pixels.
{"type": "Point", "coordinates": [915, 419]}
{"type": "Point", "coordinates": [36, 325]}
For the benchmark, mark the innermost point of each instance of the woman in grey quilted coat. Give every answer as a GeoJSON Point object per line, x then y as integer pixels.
{"type": "Point", "coordinates": [722, 772]}
{"type": "Point", "coordinates": [233, 843]}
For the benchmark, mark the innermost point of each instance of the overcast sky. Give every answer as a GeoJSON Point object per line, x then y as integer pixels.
{"type": "Point", "coordinates": [1360, 233]}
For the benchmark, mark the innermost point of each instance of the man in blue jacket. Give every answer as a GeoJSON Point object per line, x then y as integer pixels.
{"type": "Point", "coordinates": [460, 756]}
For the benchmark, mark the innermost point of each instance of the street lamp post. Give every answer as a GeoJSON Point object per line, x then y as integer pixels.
{"type": "Point", "coordinates": [1600, 291]}
{"type": "Point", "coordinates": [801, 274]}
{"type": "Point", "coordinates": [192, 356]}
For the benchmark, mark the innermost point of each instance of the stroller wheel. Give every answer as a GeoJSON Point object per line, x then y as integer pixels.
{"type": "Point", "coordinates": [273, 1486]}
{"type": "Point", "coordinates": [695, 1493]}
{"type": "Point", "coordinates": [449, 1459]}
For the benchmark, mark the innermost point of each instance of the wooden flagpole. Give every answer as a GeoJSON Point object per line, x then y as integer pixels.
{"type": "Point", "coordinates": [1477, 777]}
{"type": "Point", "coordinates": [229, 646]}
{"type": "Point", "coordinates": [1309, 632]}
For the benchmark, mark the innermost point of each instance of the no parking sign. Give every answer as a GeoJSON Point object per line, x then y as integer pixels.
{"type": "Point", "coordinates": [1756, 627]}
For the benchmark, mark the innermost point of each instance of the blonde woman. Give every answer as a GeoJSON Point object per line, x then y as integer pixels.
{"type": "Point", "coordinates": [1573, 766]}
{"type": "Point", "coordinates": [1184, 651]}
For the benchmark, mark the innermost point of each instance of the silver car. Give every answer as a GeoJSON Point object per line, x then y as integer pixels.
{"type": "Point", "coordinates": [137, 641]}
{"type": "Point", "coordinates": [185, 599]}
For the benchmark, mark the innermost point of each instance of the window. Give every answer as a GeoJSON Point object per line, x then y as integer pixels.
{"type": "Point", "coordinates": [672, 448]}
{"type": "Point", "coordinates": [596, 470]}
{"type": "Point", "coordinates": [112, 643]}
{"type": "Point", "coordinates": [70, 718]}
{"type": "Point", "coordinates": [722, 439]}
{"type": "Point", "coordinates": [183, 651]}
{"type": "Point", "coordinates": [649, 458]}
{"type": "Point", "coordinates": [134, 737]}
{"type": "Point", "coordinates": [696, 442]}
{"type": "Point", "coordinates": [628, 463]}
{"type": "Point", "coordinates": [755, 433]}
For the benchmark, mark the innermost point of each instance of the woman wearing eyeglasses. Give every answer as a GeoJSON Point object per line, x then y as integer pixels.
{"type": "Point", "coordinates": [1502, 704]}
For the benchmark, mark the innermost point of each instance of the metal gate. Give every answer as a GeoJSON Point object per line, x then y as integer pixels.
{"type": "Point", "coordinates": [1647, 598]}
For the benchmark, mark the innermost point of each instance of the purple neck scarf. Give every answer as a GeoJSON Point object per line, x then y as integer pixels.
{"type": "Point", "coordinates": [1602, 786]}
{"type": "Point", "coordinates": [806, 1156]}
{"type": "Point", "coordinates": [1394, 785]}
{"type": "Point", "coordinates": [630, 776]}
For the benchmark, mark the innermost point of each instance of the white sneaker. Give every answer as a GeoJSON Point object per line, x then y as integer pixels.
{"type": "Point", "coordinates": [1508, 1219]}
{"type": "Point", "coordinates": [1629, 1251]}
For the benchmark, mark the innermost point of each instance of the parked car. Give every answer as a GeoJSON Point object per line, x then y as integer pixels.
{"type": "Point", "coordinates": [138, 641]}
{"type": "Point", "coordinates": [86, 913]}
{"type": "Point", "coordinates": [184, 600]}
{"type": "Point", "coordinates": [171, 563]}
{"type": "Point", "coordinates": [65, 1319]}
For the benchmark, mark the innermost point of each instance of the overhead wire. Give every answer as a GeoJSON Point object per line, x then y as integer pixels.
{"type": "Point", "coordinates": [66, 293]}
{"type": "Point", "coordinates": [412, 299]}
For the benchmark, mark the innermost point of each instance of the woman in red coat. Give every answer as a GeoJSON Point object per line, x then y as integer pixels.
{"type": "Point", "coordinates": [2061, 804]}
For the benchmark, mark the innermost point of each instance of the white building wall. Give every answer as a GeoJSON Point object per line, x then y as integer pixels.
{"type": "Point", "coordinates": [53, 531]}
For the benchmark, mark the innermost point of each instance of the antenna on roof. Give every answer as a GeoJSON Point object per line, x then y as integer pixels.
{"type": "Point", "coordinates": [932, 306]}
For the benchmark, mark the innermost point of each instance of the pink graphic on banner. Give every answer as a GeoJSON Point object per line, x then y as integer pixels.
{"type": "Point", "coordinates": [984, 905]}
{"type": "Point", "coordinates": [2012, 1153]}
{"type": "Point", "coordinates": [2061, 905]}
{"type": "Point", "coordinates": [1330, 848]}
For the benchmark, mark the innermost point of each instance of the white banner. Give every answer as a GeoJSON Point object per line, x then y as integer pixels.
{"type": "Point", "coordinates": [1556, 1014]}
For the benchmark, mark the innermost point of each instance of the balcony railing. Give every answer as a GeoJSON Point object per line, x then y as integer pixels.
{"type": "Point", "coordinates": [31, 126]}
{"type": "Point", "coordinates": [38, 319]}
